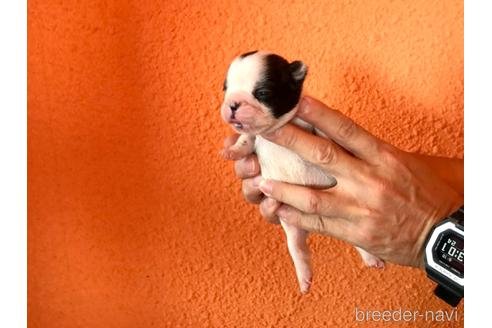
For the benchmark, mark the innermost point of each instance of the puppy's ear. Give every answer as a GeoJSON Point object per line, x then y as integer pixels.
{"type": "Point", "coordinates": [298, 71]}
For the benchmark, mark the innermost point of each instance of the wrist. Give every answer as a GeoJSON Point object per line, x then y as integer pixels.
{"type": "Point", "coordinates": [428, 226]}
{"type": "Point", "coordinates": [450, 170]}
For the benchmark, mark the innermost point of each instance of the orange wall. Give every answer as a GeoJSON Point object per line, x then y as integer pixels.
{"type": "Point", "coordinates": [135, 221]}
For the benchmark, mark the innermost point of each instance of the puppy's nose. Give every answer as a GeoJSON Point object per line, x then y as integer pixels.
{"type": "Point", "coordinates": [234, 106]}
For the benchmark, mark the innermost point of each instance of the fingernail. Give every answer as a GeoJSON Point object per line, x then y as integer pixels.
{"type": "Point", "coordinates": [305, 101]}
{"type": "Point", "coordinates": [266, 187]}
{"type": "Point", "coordinates": [257, 180]}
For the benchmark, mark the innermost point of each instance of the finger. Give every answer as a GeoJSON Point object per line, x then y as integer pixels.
{"type": "Point", "coordinates": [251, 190]}
{"type": "Point", "coordinates": [340, 128]}
{"type": "Point", "coordinates": [230, 140]}
{"type": "Point", "coordinates": [319, 151]}
{"type": "Point", "coordinates": [230, 152]}
{"type": "Point", "coordinates": [247, 167]}
{"type": "Point", "coordinates": [268, 206]}
{"type": "Point", "coordinates": [310, 201]}
{"type": "Point", "coordinates": [333, 227]}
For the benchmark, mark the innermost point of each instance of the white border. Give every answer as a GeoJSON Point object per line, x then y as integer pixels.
{"type": "Point", "coordinates": [430, 258]}
{"type": "Point", "coordinates": [478, 105]}
{"type": "Point", "coordinates": [478, 157]}
{"type": "Point", "coordinates": [13, 164]}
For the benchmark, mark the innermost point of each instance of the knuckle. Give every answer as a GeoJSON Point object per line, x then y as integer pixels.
{"type": "Point", "coordinates": [313, 203]}
{"type": "Point", "coordinates": [380, 147]}
{"type": "Point", "coordinates": [290, 138]}
{"type": "Point", "coordinates": [246, 167]}
{"type": "Point", "coordinates": [396, 164]}
{"type": "Point", "coordinates": [346, 128]}
{"type": "Point", "coordinates": [319, 225]}
{"type": "Point", "coordinates": [390, 154]}
{"type": "Point", "coordinates": [324, 153]}
{"type": "Point", "coordinates": [249, 166]}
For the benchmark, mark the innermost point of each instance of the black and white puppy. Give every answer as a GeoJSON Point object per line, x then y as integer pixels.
{"type": "Point", "coordinates": [262, 93]}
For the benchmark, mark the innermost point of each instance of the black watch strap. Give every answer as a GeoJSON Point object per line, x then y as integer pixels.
{"type": "Point", "coordinates": [447, 295]}
{"type": "Point", "coordinates": [459, 215]}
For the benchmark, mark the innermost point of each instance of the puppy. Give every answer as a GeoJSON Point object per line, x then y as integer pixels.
{"type": "Point", "coordinates": [262, 93]}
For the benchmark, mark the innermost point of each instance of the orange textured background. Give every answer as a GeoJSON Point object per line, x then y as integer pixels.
{"type": "Point", "coordinates": [135, 221]}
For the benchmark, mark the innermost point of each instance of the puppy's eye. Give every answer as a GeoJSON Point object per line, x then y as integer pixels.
{"type": "Point", "coordinates": [262, 93]}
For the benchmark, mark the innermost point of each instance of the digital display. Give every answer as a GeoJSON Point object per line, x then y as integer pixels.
{"type": "Point", "coordinates": [450, 251]}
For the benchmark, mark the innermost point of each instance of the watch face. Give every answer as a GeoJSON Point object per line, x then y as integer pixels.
{"type": "Point", "coordinates": [449, 252]}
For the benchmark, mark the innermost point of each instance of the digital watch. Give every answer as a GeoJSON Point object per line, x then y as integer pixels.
{"type": "Point", "coordinates": [445, 257]}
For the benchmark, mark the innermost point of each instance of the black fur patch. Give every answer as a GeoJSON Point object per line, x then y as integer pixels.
{"type": "Point", "coordinates": [278, 89]}
{"type": "Point", "coordinates": [248, 54]}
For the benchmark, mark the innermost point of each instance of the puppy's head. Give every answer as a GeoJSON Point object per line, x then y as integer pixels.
{"type": "Point", "coordinates": [262, 91]}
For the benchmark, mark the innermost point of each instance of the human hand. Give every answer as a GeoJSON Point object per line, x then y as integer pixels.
{"type": "Point", "coordinates": [385, 201]}
{"type": "Point", "coordinates": [248, 170]}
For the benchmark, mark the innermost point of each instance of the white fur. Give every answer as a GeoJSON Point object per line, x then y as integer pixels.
{"type": "Point", "coordinates": [244, 72]}
{"type": "Point", "coordinates": [282, 164]}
